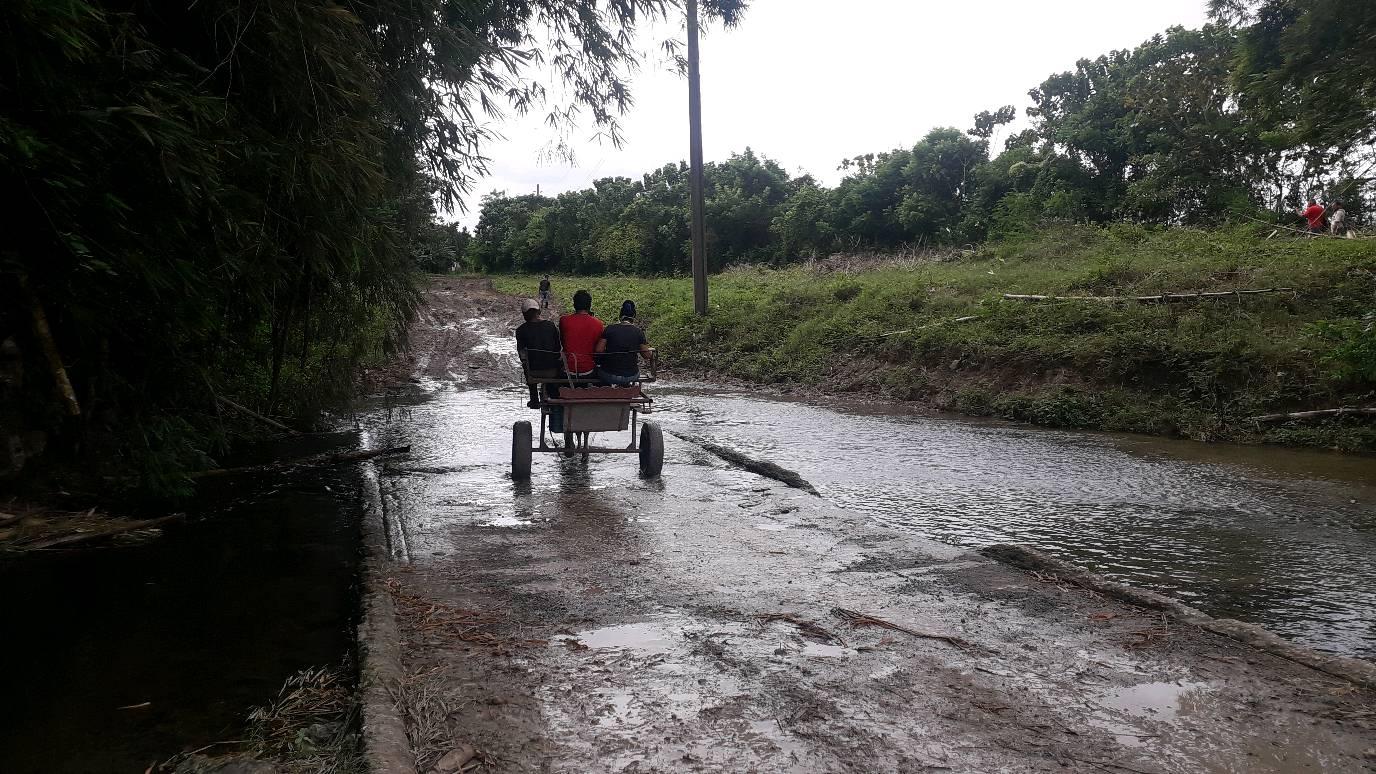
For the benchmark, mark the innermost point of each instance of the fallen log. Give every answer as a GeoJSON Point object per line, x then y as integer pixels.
{"type": "Point", "coordinates": [1337, 412]}
{"type": "Point", "coordinates": [759, 467]}
{"type": "Point", "coordinates": [1158, 299]}
{"type": "Point", "coordinates": [76, 538]}
{"type": "Point", "coordinates": [303, 462]}
{"type": "Point", "coordinates": [251, 413]}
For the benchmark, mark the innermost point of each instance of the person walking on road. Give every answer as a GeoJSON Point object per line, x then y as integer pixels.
{"type": "Point", "coordinates": [544, 292]}
{"type": "Point", "coordinates": [538, 346]}
{"type": "Point", "coordinates": [621, 347]}
{"type": "Point", "coordinates": [580, 333]}
{"type": "Point", "coordinates": [1314, 215]}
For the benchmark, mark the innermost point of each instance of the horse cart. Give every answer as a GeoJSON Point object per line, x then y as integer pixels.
{"type": "Point", "coordinates": [577, 408]}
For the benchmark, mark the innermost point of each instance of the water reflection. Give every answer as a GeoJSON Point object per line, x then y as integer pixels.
{"type": "Point", "coordinates": [1280, 537]}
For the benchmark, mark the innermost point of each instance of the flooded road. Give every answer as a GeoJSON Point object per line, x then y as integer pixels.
{"type": "Point", "coordinates": [1278, 537]}
{"type": "Point", "coordinates": [714, 620]}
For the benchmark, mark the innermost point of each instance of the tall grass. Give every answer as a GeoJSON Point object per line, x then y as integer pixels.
{"type": "Point", "coordinates": [1195, 369]}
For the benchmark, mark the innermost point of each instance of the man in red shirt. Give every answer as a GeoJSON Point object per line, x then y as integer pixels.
{"type": "Point", "coordinates": [1314, 213]}
{"type": "Point", "coordinates": [580, 332]}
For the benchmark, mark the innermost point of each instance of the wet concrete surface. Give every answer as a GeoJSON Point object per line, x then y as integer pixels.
{"type": "Point", "coordinates": [592, 620]}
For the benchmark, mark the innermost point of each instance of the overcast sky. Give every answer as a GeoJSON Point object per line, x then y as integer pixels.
{"type": "Point", "coordinates": [811, 82]}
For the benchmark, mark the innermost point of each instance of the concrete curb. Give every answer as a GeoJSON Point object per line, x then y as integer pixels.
{"type": "Point", "coordinates": [1354, 670]}
{"type": "Point", "coordinates": [387, 749]}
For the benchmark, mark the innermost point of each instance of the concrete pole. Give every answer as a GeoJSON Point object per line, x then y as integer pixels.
{"type": "Point", "coordinates": [699, 229]}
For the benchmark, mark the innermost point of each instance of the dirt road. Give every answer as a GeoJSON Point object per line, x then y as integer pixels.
{"type": "Point", "coordinates": [713, 620]}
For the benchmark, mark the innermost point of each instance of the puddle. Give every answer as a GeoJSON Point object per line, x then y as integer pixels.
{"type": "Point", "coordinates": [1157, 701]}
{"type": "Point", "coordinates": [1154, 701]}
{"type": "Point", "coordinates": [642, 637]}
{"type": "Point", "coordinates": [817, 649]}
{"type": "Point", "coordinates": [508, 521]}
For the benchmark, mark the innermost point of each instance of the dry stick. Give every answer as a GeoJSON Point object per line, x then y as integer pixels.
{"type": "Point", "coordinates": [250, 412]}
{"type": "Point", "coordinates": [1312, 414]}
{"type": "Point", "coordinates": [44, 334]}
{"type": "Point", "coordinates": [860, 619]}
{"type": "Point", "coordinates": [805, 626]}
{"type": "Point", "coordinates": [100, 534]}
{"type": "Point", "coordinates": [280, 467]}
{"type": "Point", "coordinates": [930, 325]}
{"type": "Point", "coordinates": [1163, 298]}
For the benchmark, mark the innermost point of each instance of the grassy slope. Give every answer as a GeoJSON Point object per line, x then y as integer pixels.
{"type": "Point", "coordinates": [1192, 369]}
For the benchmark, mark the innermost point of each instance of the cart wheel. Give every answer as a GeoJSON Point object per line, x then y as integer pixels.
{"type": "Point", "coordinates": [520, 451]}
{"type": "Point", "coordinates": [569, 444]}
{"type": "Point", "coordinates": [651, 449]}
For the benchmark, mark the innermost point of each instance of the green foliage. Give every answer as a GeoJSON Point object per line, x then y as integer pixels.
{"type": "Point", "coordinates": [233, 199]}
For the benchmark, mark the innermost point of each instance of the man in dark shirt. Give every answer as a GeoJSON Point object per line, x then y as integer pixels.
{"type": "Point", "coordinates": [538, 345]}
{"type": "Point", "coordinates": [544, 292]}
{"type": "Point", "coordinates": [620, 349]}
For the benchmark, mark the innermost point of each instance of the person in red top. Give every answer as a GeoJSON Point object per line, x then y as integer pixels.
{"type": "Point", "coordinates": [580, 332]}
{"type": "Point", "coordinates": [1314, 213]}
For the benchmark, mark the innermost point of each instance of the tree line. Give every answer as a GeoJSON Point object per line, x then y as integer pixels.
{"type": "Point", "coordinates": [1270, 104]}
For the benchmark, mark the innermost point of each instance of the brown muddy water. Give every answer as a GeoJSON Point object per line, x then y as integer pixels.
{"type": "Point", "coordinates": [202, 624]}
{"type": "Point", "coordinates": [1280, 537]}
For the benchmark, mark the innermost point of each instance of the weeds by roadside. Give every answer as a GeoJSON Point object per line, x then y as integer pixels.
{"type": "Point", "coordinates": [1196, 369]}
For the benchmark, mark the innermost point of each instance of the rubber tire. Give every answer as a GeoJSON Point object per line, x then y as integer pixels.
{"type": "Point", "coordinates": [520, 451]}
{"type": "Point", "coordinates": [651, 449]}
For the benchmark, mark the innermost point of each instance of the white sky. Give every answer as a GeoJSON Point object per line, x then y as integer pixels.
{"type": "Point", "coordinates": [811, 82]}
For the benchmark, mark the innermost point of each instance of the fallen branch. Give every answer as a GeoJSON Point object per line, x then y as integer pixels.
{"type": "Point", "coordinates": [304, 462]}
{"type": "Point", "coordinates": [860, 619]}
{"type": "Point", "coordinates": [44, 334]}
{"type": "Point", "coordinates": [99, 534]}
{"type": "Point", "coordinates": [816, 630]}
{"type": "Point", "coordinates": [1337, 412]}
{"type": "Point", "coordinates": [250, 412]}
{"type": "Point", "coordinates": [1158, 299]}
{"type": "Point", "coordinates": [930, 325]}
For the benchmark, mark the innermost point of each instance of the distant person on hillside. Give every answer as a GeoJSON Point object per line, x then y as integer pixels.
{"type": "Point", "coordinates": [544, 292]}
{"type": "Point", "coordinates": [1314, 214]}
{"type": "Point", "coordinates": [1337, 221]}
{"type": "Point", "coordinates": [621, 347]}
{"type": "Point", "coordinates": [538, 346]}
{"type": "Point", "coordinates": [580, 332]}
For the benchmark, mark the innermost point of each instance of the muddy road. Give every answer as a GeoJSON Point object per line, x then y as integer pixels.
{"type": "Point", "coordinates": [715, 620]}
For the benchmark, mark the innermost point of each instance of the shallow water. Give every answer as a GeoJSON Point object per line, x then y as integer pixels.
{"type": "Point", "coordinates": [1280, 537]}
{"type": "Point", "coordinates": [187, 632]}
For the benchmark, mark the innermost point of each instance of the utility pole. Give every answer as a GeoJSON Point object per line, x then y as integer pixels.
{"type": "Point", "coordinates": [699, 229]}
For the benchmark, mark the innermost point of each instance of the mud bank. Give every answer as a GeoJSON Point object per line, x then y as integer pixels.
{"type": "Point", "coordinates": [714, 620]}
